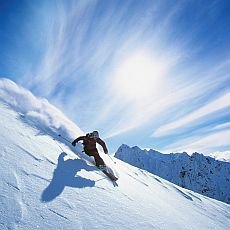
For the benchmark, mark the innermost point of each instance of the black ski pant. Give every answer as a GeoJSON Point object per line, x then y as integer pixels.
{"type": "Point", "coordinates": [95, 154]}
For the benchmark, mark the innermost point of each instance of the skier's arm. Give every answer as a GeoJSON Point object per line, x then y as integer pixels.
{"type": "Point", "coordinates": [102, 143]}
{"type": "Point", "coordinates": [78, 139]}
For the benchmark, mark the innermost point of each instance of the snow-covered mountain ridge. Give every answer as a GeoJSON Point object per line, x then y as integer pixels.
{"type": "Point", "coordinates": [197, 172]}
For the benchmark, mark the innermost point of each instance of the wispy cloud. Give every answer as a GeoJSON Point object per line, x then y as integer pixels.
{"type": "Point", "coordinates": [206, 144]}
{"type": "Point", "coordinates": [221, 103]}
{"type": "Point", "coordinates": [222, 126]}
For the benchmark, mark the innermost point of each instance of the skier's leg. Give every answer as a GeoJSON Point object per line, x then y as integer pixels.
{"type": "Point", "coordinates": [97, 158]}
{"type": "Point", "coordinates": [99, 161]}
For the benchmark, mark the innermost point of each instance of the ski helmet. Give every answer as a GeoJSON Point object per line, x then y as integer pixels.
{"type": "Point", "coordinates": [95, 134]}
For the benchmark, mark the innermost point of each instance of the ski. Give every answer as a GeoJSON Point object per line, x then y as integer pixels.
{"type": "Point", "coordinates": [111, 177]}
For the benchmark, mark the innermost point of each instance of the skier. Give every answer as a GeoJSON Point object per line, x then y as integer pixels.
{"type": "Point", "coordinates": [89, 142]}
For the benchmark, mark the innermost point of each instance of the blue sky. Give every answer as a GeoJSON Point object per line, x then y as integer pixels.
{"type": "Point", "coordinates": [150, 73]}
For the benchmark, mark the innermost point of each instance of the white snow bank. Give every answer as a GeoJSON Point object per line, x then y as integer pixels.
{"type": "Point", "coordinates": [37, 111]}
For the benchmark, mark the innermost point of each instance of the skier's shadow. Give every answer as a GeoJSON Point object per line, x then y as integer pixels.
{"type": "Point", "coordinates": [65, 175]}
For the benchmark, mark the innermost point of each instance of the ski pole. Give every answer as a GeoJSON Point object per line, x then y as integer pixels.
{"type": "Point", "coordinates": [64, 138]}
{"type": "Point", "coordinates": [58, 145]}
{"type": "Point", "coordinates": [112, 159]}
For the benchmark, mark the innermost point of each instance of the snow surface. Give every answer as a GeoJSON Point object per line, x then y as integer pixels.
{"type": "Point", "coordinates": [45, 185]}
{"type": "Point", "coordinates": [197, 172]}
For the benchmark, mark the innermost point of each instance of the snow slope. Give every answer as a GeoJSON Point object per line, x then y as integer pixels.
{"type": "Point", "coordinates": [44, 185]}
{"type": "Point", "coordinates": [197, 172]}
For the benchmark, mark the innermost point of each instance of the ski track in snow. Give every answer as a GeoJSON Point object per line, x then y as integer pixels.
{"type": "Point", "coordinates": [30, 154]}
{"type": "Point", "coordinates": [36, 176]}
{"type": "Point", "coordinates": [58, 214]}
{"type": "Point", "coordinates": [12, 207]}
{"type": "Point", "coordinates": [183, 194]}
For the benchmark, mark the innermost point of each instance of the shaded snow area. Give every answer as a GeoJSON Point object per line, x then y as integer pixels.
{"type": "Point", "coordinates": [197, 172]}
{"type": "Point", "coordinates": [44, 184]}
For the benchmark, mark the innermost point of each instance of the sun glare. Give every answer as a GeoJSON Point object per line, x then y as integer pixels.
{"type": "Point", "coordinates": [139, 76]}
